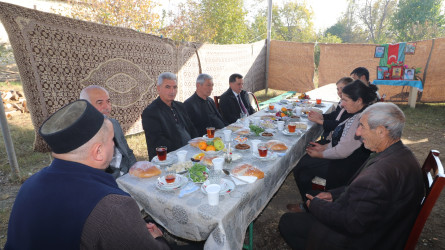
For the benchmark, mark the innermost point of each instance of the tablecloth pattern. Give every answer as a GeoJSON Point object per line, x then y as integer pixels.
{"type": "Point", "coordinates": [222, 226]}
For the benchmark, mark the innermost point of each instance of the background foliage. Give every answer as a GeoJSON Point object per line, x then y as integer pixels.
{"type": "Point", "coordinates": [229, 22]}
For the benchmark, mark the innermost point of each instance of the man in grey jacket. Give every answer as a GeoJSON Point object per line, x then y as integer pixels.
{"type": "Point", "coordinates": [123, 157]}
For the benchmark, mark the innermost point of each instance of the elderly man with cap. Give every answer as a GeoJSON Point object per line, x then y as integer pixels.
{"type": "Point", "coordinates": [73, 203]}
{"type": "Point", "coordinates": [380, 204]}
{"type": "Point", "coordinates": [165, 121]}
{"type": "Point", "coordinates": [123, 157]}
{"type": "Point", "coordinates": [201, 108]}
{"type": "Point", "coordinates": [235, 101]}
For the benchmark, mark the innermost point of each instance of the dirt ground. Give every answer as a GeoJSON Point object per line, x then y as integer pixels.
{"type": "Point", "coordinates": [266, 234]}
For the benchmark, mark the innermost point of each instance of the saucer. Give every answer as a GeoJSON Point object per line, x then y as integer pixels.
{"type": "Point", "coordinates": [180, 181]}
{"type": "Point", "coordinates": [286, 132]}
{"type": "Point", "coordinates": [269, 157]}
{"type": "Point", "coordinates": [170, 159]}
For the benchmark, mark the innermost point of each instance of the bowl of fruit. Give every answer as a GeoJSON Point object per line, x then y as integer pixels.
{"type": "Point", "coordinates": [211, 146]}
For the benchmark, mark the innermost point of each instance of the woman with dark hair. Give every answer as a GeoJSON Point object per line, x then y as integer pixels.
{"type": "Point", "coordinates": [331, 120]}
{"type": "Point", "coordinates": [338, 160]}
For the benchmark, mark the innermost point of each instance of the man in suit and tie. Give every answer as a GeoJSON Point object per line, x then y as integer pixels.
{"type": "Point", "coordinates": [201, 108]}
{"type": "Point", "coordinates": [235, 101]}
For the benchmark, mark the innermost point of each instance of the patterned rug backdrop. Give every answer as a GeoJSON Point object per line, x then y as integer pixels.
{"type": "Point", "coordinates": [58, 56]}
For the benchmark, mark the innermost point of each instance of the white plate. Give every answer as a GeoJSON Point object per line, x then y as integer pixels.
{"type": "Point", "coordinates": [169, 160]}
{"type": "Point", "coordinates": [270, 156]}
{"type": "Point", "coordinates": [319, 105]}
{"type": "Point", "coordinates": [285, 132]}
{"type": "Point", "coordinates": [179, 182]}
{"type": "Point", "coordinates": [227, 186]}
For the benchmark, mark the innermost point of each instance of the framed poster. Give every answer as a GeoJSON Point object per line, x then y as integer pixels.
{"type": "Point", "coordinates": [410, 48]}
{"type": "Point", "coordinates": [409, 74]}
{"type": "Point", "coordinates": [379, 51]}
{"type": "Point", "coordinates": [381, 72]}
{"type": "Point", "coordinates": [396, 72]}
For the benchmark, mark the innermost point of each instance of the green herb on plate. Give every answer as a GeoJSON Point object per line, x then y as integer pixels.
{"type": "Point", "coordinates": [198, 173]}
{"type": "Point", "coordinates": [256, 129]}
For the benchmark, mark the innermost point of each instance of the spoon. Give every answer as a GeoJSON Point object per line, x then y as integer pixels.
{"type": "Point", "coordinates": [231, 175]}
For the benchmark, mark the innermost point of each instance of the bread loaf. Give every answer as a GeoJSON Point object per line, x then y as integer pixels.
{"type": "Point", "coordinates": [276, 145]}
{"type": "Point", "coordinates": [248, 170]}
{"type": "Point", "coordinates": [144, 169]}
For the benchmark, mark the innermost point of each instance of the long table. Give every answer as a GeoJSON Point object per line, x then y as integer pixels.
{"type": "Point", "coordinates": [222, 226]}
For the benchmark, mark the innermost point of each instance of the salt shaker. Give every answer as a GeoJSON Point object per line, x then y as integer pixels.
{"type": "Point", "coordinates": [228, 156]}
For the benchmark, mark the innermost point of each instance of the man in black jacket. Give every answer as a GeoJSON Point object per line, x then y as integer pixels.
{"type": "Point", "coordinates": [235, 100]}
{"type": "Point", "coordinates": [201, 108]}
{"type": "Point", "coordinates": [165, 121]}
{"type": "Point", "coordinates": [379, 206]}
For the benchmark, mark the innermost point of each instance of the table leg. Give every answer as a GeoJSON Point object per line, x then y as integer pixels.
{"type": "Point", "coordinates": [250, 245]}
{"type": "Point", "coordinates": [412, 98]}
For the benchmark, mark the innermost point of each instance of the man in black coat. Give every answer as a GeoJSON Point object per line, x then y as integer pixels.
{"type": "Point", "coordinates": [201, 108]}
{"type": "Point", "coordinates": [235, 100]}
{"type": "Point", "coordinates": [379, 206]}
{"type": "Point", "coordinates": [165, 121]}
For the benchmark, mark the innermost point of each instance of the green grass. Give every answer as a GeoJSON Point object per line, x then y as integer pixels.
{"type": "Point", "coordinates": [262, 96]}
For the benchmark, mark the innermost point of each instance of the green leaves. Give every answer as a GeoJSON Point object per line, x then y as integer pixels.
{"type": "Point", "coordinates": [418, 20]}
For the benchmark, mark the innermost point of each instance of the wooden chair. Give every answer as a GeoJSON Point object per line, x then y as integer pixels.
{"type": "Point", "coordinates": [254, 101]}
{"type": "Point", "coordinates": [434, 178]}
{"type": "Point", "coordinates": [216, 99]}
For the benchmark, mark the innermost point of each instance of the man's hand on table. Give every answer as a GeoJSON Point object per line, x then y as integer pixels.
{"type": "Point", "coordinates": [315, 117]}
{"type": "Point", "coordinates": [154, 230]}
{"type": "Point", "coordinates": [323, 195]}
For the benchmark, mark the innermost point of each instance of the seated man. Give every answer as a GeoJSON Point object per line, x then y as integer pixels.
{"type": "Point", "coordinates": [235, 100]}
{"type": "Point", "coordinates": [123, 157]}
{"type": "Point", "coordinates": [165, 121]}
{"type": "Point", "coordinates": [201, 108]}
{"type": "Point", "coordinates": [73, 203]}
{"type": "Point", "coordinates": [362, 74]}
{"type": "Point", "coordinates": [378, 207]}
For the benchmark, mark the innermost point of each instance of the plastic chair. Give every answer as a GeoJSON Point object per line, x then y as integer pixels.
{"type": "Point", "coordinates": [253, 101]}
{"type": "Point", "coordinates": [434, 179]}
{"type": "Point", "coordinates": [216, 99]}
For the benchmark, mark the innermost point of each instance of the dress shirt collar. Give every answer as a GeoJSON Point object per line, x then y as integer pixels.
{"type": "Point", "coordinates": [236, 94]}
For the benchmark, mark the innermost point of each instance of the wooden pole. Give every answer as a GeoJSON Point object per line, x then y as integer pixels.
{"type": "Point", "coordinates": [8, 143]}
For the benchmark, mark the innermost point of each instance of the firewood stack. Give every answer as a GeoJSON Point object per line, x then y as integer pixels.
{"type": "Point", "coordinates": [14, 101]}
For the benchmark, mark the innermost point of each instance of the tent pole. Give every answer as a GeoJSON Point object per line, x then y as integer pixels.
{"type": "Point", "coordinates": [269, 24]}
{"type": "Point", "coordinates": [8, 143]}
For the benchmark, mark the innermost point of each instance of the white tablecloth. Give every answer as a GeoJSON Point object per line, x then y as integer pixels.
{"type": "Point", "coordinates": [222, 226]}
